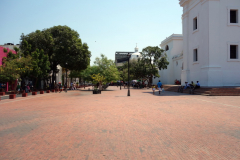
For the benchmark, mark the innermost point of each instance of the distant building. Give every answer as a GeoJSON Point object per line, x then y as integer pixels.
{"type": "Point", "coordinates": [173, 48]}
{"type": "Point", "coordinates": [119, 55]}
{"type": "Point", "coordinates": [10, 46]}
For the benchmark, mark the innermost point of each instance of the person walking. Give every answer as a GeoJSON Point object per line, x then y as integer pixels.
{"type": "Point", "coordinates": [153, 89]}
{"type": "Point", "coordinates": [18, 88]}
{"type": "Point", "coordinates": [159, 84]}
{"type": "Point", "coordinates": [65, 87]}
{"type": "Point", "coordinates": [60, 87]}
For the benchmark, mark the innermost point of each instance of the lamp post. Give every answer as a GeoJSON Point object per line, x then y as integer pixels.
{"type": "Point", "coordinates": [66, 76]}
{"type": "Point", "coordinates": [128, 74]}
{"type": "Point", "coordinates": [124, 60]}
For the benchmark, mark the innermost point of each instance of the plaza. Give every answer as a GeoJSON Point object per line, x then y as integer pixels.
{"type": "Point", "coordinates": [112, 125]}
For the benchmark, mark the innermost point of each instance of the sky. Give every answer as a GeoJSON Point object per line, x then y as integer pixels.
{"type": "Point", "coordinates": [106, 26]}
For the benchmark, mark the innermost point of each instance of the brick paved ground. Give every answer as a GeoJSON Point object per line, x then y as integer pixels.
{"type": "Point", "coordinates": [79, 125]}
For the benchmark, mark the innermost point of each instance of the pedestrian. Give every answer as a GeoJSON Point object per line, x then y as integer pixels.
{"type": "Point", "coordinates": [60, 87]}
{"type": "Point", "coordinates": [26, 89]}
{"type": "Point", "coordinates": [18, 88]}
{"type": "Point", "coordinates": [65, 87]}
{"type": "Point", "coordinates": [159, 84]}
{"type": "Point", "coordinates": [153, 89]}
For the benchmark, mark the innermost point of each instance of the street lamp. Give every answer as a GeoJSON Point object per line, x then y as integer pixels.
{"type": "Point", "coordinates": [66, 75]}
{"type": "Point", "coordinates": [124, 60]}
{"type": "Point", "coordinates": [129, 56]}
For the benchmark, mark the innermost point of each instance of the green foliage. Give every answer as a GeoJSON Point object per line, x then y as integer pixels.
{"type": "Point", "coordinates": [98, 78]}
{"type": "Point", "coordinates": [62, 45]}
{"type": "Point", "coordinates": [154, 57]}
{"type": "Point", "coordinates": [4, 50]}
{"type": "Point", "coordinates": [87, 73]}
{"type": "Point", "coordinates": [40, 64]}
{"type": "Point", "coordinates": [13, 69]}
{"type": "Point", "coordinates": [107, 68]}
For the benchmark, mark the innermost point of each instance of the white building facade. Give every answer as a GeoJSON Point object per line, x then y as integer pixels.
{"type": "Point", "coordinates": [173, 47]}
{"type": "Point", "coordinates": [211, 41]}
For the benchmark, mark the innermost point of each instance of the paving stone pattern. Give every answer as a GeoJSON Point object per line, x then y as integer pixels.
{"type": "Point", "coordinates": [80, 125]}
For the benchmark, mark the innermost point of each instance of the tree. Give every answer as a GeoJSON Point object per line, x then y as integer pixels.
{"type": "Point", "coordinates": [62, 45]}
{"type": "Point", "coordinates": [107, 68]}
{"type": "Point", "coordinates": [153, 59]}
{"type": "Point", "coordinates": [97, 78]}
{"type": "Point", "coordinates": [40, 66]}
{"type": "Point", "coordinates": [13, 69]}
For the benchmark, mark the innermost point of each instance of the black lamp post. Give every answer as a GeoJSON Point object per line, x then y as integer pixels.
{"type": "Point", "coordinates": [124, 60]}
{"type": "Point", "coordinates": [66, 77]}
{"type": "Point", "coordinates": [128, 74]}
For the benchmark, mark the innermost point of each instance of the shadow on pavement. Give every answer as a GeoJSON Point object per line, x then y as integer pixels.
{"type": "Point", "coordinates": [167, 93]}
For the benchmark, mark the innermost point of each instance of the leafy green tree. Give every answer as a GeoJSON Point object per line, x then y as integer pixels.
{"type": "Point", "coordinates": [40, 66]}
{"type": "Point", "coordinates": [13, 69]}
{"type": "Point", "coordinates": [107, 68]}
{"type": "Point", "coordinates": [153, 59]}
{"type": "Point", "coordinates": [62, 45]}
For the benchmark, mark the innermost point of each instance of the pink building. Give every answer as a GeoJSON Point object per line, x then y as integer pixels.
{"type": "Point", "coordinates": [2, 54]}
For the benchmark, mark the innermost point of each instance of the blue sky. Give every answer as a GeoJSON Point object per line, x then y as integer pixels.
{"type": "Point", "coordinates": [106, 26]}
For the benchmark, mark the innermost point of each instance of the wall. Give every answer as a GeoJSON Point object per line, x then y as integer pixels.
{"type": "Point", "coordinates": [173, 71]}
{"type": "Point", "coordinates": [2, 54]}
{"type": "Point", "coordinates": [212, 38]}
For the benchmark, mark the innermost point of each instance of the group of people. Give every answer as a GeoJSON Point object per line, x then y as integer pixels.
{"type": "Point", "coordinates": [159, 86]}
{"type": "Point", "coordinates": [192, 85]}
{"type": "Point", "coordinates": [73, 86]}
{"type": "Point", "coordinates": [26, 88]}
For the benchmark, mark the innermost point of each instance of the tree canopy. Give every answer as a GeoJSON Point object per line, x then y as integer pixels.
{"type": "Point", "coordinates": [15, 67]}
{"type": "Point", "coordinates": [152, 59]}
{"type": "Point", "coordinates": [62, 45]}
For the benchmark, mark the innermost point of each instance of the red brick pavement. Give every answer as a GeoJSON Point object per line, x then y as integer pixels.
{"type": "Point", "coordinates": [80, 125]}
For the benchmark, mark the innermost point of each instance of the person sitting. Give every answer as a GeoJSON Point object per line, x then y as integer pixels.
{"type": "Point", "coordinates": [192, 84]}
{"type": "Point", "coordinates": [186, 85]}
{"type": "Point", "coordinates": [197, 85]}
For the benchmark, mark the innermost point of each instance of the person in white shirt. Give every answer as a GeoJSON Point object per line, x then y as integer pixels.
{"type": "Point", "coordinates": [197, 85]}
{"type": "Point", "coordinates": [186, 85]}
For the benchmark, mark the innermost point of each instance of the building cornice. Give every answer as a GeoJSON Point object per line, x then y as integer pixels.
{"type": "Point", "coordinates": [183, 2]}
{"type": "Point", "coordinates": [171, 38]}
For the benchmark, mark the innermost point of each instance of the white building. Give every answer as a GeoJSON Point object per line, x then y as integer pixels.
{"type": "Point", "coordinates": [211, 41]}
{"type": "Point", "coordinates": [173, 47]}
{"type": "Point", "coordinates": [136, 54]}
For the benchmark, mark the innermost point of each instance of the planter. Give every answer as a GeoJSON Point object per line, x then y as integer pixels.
{"type": "Point", "coordinates": [2, 93]}
{"type": "Point", "coordinates": [34, 93]}
{"type": "Point", "coordinates": [12, 96]}
{"type": "Point", "coordinates": [48, 91]}
{"type": "Point", "coordinates": [96, 92]}
{"type": "Point", "coordinates": [53, 90]}
{"type": "Point", "coordinates": [24, 94]}
{"type": "Point", "coordinates": [56, 90]}
{"type": "Point", "coordinates": [41, 92]}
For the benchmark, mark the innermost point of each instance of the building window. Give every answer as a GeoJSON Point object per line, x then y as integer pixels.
{"type": "Point", "coordinates": [195, 23]}
{"type": "Point", "coordinates": [233, 16]}
{"type": "Point", "coordinates": [182, 66]}
{"type": "Point", "coordinates": [166, 48]}
{"type": "Point", "coordinates": [233, 51]}
{"type": "Point", "coordinates": [176, 63]}
{"type": "Point", "coordinates": [195, 55]}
